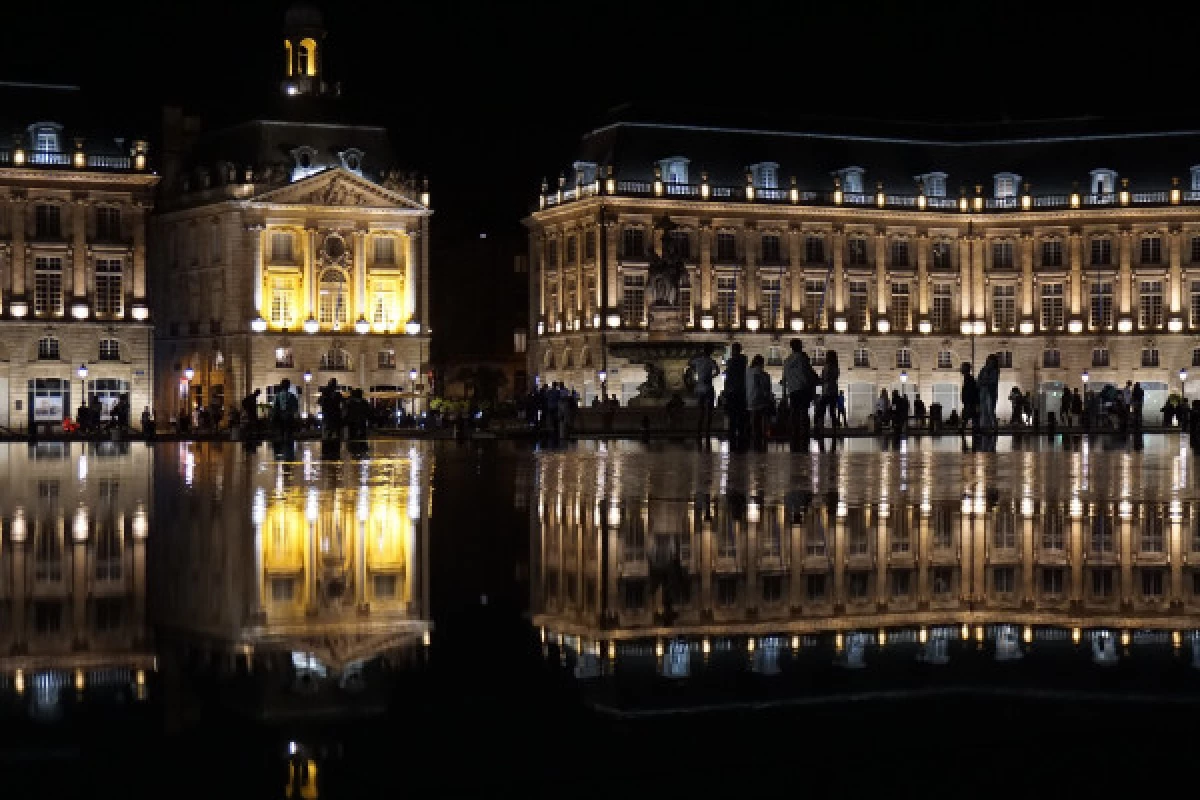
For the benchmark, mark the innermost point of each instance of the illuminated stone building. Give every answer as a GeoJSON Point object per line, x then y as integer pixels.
{"type": "Point", "coordinates": [646, 555]}
{"type": "Point", "coordinates": [1065, 252]}
{"type": "Point", "coordinates": [289, 246]}
{"type": "Point", "coordinates": [73, 304]}
{"type": "Point", "coordinates": [310, 570]}
{"type": "Point", "coordinates": [73, 572]}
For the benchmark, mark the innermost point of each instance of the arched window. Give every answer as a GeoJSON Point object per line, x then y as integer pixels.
{"type": "Point", "coordinates": [48, 349]}
{"type": "Point", "coordinates": [334, 298]}
{"type": "Point", "coordinates": [287, 48]}
{"type": "Point", "coordinates": [307, 63]}
{"type": "Point", "coordinates": [335, 359]}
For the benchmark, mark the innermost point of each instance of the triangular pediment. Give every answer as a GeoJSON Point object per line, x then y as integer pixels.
{"type": "Point", "coordinates": [336, 187]}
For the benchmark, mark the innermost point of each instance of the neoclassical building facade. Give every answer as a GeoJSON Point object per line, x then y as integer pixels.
{"type": "Point", "coordinates": [908, 256]}
{"type": "Point", "coordinates": [289, 247]}
{"type": "Point", "coordinates": [74, 317]}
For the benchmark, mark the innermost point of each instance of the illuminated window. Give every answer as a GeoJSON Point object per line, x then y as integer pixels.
{"type": "Point", "coordinates": [1104, 181]}
{"type": "Point", "coordinates": [1052, 306]}
{"type": "Point", "coordinates": [942, 310]}
{"type": "Point", "coordinates": [765, 175]}
{"type": "Point", "coordinates": [1004, 308]}
{"type": "Point", "coordinates": [383, 303]}
{"type": "Point", "coordinates": [46, 141]}
{"type": "Point", "coordinates": [48, 286]}
{"type": "Point", "coordinates": [934, 183]}
{"type": "Point", "coordinates": [333, 299]}
{"type": "Point", "coordinates": [771, 307]}
{"type": "Point", "coordinates": [385, 250]}
{"type": "Point", "coordinates": [281, 301]}
{"type": "Point", "coordinates": [109, 296]}
{"type": "Point", "coordinates": [1101, 316]}
{"type": "Point", "coordinates": [387, 359]}
{"type": "Point", "coordinates": [674, 170]}
{"type": "Point", "coordinates": [1150, 304]}
{"type": "Point", "coordinates": [306, 64]}
{"type": "Point", "coordinates": [814, 303]}
{"type": "Point", "coordinates": [852, 180]}
{"type": "Point", "coordinates": [284, 358]}
{"type": "Point", "coordinates": [900, 308]}
{"type": "Point", "coordinates": [287, 49]}
{"type": "Point", "coordinates": [1006, 185]}
{"type": "Point", "coordinates": [945, 359]}
{"type": "Point", "coordinates": [336, 359]}
{"type": "Point", "coordinates": [727, 301]}
{"type": "Point", "coordinates": [633, 300]}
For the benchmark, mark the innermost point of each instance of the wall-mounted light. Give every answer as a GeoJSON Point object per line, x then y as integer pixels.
{"type": "Point", "coordinates": [140, 313]}
{"type": "Point", "coordinates": [925, 326]}
{"type": "Point", "coordinates": [840, 325]}
{"type": "Point", "coordinates": [362, 326]}
{"type": "Point", "coordinates": [707, 322]}
{"type": "Point", "coordinates": [1125, 324]}
{"type": "Point", "coordinates": [412, 327]}
{"type": "Point", "coordinates": [310, 325]}
{"type": "Point", "coordinates": [883, 325]}
{"type": "Point", "coordinates": [614, 320]}
{"type": "Point", "coordinates": [797, 324]}
{"type": "Point", "coordinates": [258, 324]}
{"type": "Point", "coordinates": [1026, 326]}
{"type": "Point", "coordinates": [1075, 326]}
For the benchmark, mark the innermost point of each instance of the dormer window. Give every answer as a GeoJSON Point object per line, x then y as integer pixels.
{"type": "Point", "coordinates": [306, 162]}
{"type": "Point", "coordinates": [852, 179]}
{"type": "Point", "coordinates": [585, 171]}
{"type": "Point", "coordinates": [934, 183]}
{"type": "Point", "coordinates": [1104, 181]}
{"type": "Point", "coordinates": [674, 170]}
{"type": "Point", "coordinates": [46, 141]}
{"type": "Point", "coordinates": [765, 175]}
{"type": "Point", "coordinates": [352, 159]}
{"type": "Point", "coordinates": [44, 137]}
{"type": "Point", "coordinates": [1006, 185]}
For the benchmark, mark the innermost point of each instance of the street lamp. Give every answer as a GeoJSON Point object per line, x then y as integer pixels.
{"type": "Point", "coordinates": [188, 374]}
{"type": "Point", "coordinates": [83, 372]}
{"type": "Point", "coordinates": [412, 383]}
{"type": "Point", "coordinates": [1085, 377]}
{"type": "Point", "coordinates": [602, 375]}
{"type": "Point", "coordinates": [1183, 385]}
{"type": "Point", "coordinates": [307, 380]}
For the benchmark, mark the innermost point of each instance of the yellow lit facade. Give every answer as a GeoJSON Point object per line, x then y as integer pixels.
{"type": "Point", "coordinates": [273, 263]}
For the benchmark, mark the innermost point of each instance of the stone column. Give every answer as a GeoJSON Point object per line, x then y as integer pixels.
{"type": "Point", "coordinates": [750, 280]}
{"type": "Point", "coordinates": [1075, 548]}
{"type": "Point", "coordinates": [410, 274]}
{"type": "Point", "coordinates": [1125, 273]}
{"type": "Point", "coordinates": [753, 594]}
{"type": "Point", "coordinates": [1175, 254]}
{"type": "Point", "coordinates": [881, 271]}
{"type": "Point", "coordinates": [882, 551]}
{"type": "Point", "coordinates": [310, 271]}
{"type": "Point", "coordinates": [964, 265]}
{"type": "Point", "coordinates": [979, 555]}
{"type": "Point", "coordinates": [1026, 275]}
{"type": "Point", "coordinates": [614, 277]}
{"type": "Point", "coordinates": [17, 250]}
{"type": "Point", "coordinates": [839, 269]}
{"type": "Point", "coordinates": [359, 239]}
{"type": "Point", "coordinates": [793, 300]}
{"type": "Point", "coordinates": [139, 583]}
{"type": "Point", "coordinates": [1029, 592]}
{"type": "Point", "coordinates": [79, 248]}
{"type": "Point", "coordinates": [796, 546]}
{"type": "Point", "coordinates": [139, 251]}
{"type": "Point", "coordinates": [923, 245]}
{"type": "Point", "coordinates": [1076, 255]}
{"type": "Point", "coordinates": [1125, 551]}
{"type": "Point", "coordinates": [978, 288]}
{"type": "Point", "coordinates": [706, 276]}
{"type": "Point", "coordinates": [256, 241]}
{"type": "Point", "coordinates": [1175, 592]}
{"type": "Point", "coordinates": [924, 560]}
{"type": "Point", "coordinates": [18, 534]}
{"type": "Point", "coordinates": [423, 275]}
{"type": "Point", "coordinates": [80, 528]}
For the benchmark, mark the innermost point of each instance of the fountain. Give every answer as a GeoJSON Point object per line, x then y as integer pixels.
{"type": "Point", "coordinates": [665, 352]}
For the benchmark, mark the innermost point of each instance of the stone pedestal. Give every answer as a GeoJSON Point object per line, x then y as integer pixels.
{"type": "Point", "coordinates": [664, 322]}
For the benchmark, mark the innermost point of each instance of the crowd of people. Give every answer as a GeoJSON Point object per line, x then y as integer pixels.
{"type": "Point", "coordinates": [91, 417]}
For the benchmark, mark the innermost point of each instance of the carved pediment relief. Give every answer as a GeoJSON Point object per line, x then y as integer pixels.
{"type": "Point", "coordinates": [336, 187]}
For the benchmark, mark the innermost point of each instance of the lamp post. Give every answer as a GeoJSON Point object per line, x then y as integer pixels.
{"type": "Point", "coordinates": [307, 381]}
{"type": "Point", "coordinates": [1183, 385]}
{"type": "Point", "coordinates": [412, 387]}
{"type": "Point", "coordinates": [602, 376]}
{"type": "Point", "coordinates": [904, 382]}
{"type": "Point", "coordinates": [83, 373]}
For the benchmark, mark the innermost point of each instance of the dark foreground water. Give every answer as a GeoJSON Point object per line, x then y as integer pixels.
{"type": "Point", "coordinates": [481, 618]}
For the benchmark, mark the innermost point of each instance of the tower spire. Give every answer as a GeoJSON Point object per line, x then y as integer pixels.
{"type": "Point", "coordinates": [304, 51]}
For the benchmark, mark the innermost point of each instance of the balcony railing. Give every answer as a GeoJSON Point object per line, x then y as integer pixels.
{"type": "Point", "coordinates": [36, 158]}
{"type": "Point", "coordinates": [830, 197]}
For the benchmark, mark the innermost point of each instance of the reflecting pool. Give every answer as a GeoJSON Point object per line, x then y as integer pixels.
{"type": "Point", "coordinates": [259, 608]}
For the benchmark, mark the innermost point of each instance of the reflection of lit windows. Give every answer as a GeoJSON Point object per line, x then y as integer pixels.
{"type": "Point", "coordinates": [943, 581]}
{"type": "Point", "coordinates": [385, 587]}
{"type": "Point", "coordinates": [1052, 582]}
{"type": "Point", "coordinates": [726, 592]}
{"type": "Point", "coordinates": [635, 595]}
{"type": "Point", "coordinates": [282, 589]}
{"type": "Point", "coordinates": [815, 587]}
{"type": "Point", "coordinates": [1003, 580]}
{"type": "Point", "coordinates": [1152, 583]}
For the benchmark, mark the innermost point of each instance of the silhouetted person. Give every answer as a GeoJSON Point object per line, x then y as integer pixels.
{"type": "Point", "coordinates": [704, 369]}
{"type": "Point", "coordinates": [284, 410]}
{"type": "Point", "coordinates": [735, 396]}
{"type": "Point", "coordinates": [800, 382]}
{"type": "Point", "coordinates": [827, 402]}
{"type": "Point", "coordinates": [332, 404]}
{"type": "Point", "coordinates": [970, 399]}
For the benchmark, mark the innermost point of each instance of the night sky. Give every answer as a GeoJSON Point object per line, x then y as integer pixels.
{"type": "Point", "coordinates": [487, 100]}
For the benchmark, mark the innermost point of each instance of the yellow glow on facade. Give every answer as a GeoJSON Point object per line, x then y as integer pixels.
{"type": "Point", "coordinates": [287, 49]}
{"type": "Point", "coordinates": [308, 56]}
{"type": "Point", "coordinates": [839, 641]}
{"type": "Point", "coordinates": [1027, 635]}
{"type": "Point", "coordinates": [19, 681]}
{"type": "Point", "coordinates": [966, 632]}
{"type": "Point", "coordinates": [1076, 635]}
{"type": "Point", "coordinates": [923, 635]}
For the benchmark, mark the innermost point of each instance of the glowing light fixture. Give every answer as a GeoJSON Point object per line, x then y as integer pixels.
{"type": "Point", "coordinates": [310, 325]}
{"type": "Point", "coordinates": [614, 320]}
{"type": "Point", "coordinates": [925, 326]}
{"type": "Point", "coordinates": [1075, 326]}
{"type": "Point", "coordinates": [1175, 324]}
{"type": "Point", "coordinates": [980, 327]}
{"type": "Point", "coordinates": [797, 324]}
{"type": "Point", "coordinates": [79, 311]}
{"type": "Point", "coordinates": [18, 308]}
{"type": "Point", "coordinates": [412, 327]}
{"type": "Point", "coordinates": [1027, 327]}
{"type": "Point", "coordinates": [840, 325]}
{"type": "Point", "coordinates": [189, 373]}
{"type": "Point", "coordinates": [1125, 324]}
{"type": "Point", "coordinates": [258, 324]}
{"type": "Point", "coordinates": [707, 322]}
{"type": "Point", "coordinates": [883, 325]}
{"type": "Point", "coordinates": [752, 323]}
{"type": "Point", "coordinates": [362, 326]}
{"type": "Point", "coordinates": [140, 313]}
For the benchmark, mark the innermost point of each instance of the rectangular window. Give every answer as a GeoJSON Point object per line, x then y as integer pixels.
{"type": "Point", "coordinates": [1054, 536]}
{"type": "Point", "coordinates": [856, 252]}
{"type": "Point", "coordinates": [109, 295]}
{"type": "Point", "coordinates": [727, 301]}
{"type": "Point", "coordinates": [904, 358]}
{"type": "Point", "coordinates": [48, 349]}
{"type": "Point", "coordinates": [1153, 527]}
{"type": "Point", "coordinates": [281, 301]}
{"type": "Point", "coordinates": [47, 221]}
{"type": "Point", "coordinates": [941, 313]}
{"type": "Point", "coordinates": [383, 303]}
{"type": "Point", "coordinates": [900, 252]}
{"type": "Point", "coordinates": [1101, 317]}
{"type": "Point", "coordinates": [1052, 253]}
{"type": "Point", "coordinates": [633, 300]}
{"type": "Point", "coordinates": [572, 251]}
{"type": "Point", "coordinates": [814, 250]}
{"type": "Point", "coordinates": [770, 248]}
{"type": "Point", "coordinates": [589, 245]}
{"type": "Point", "coordinates": [551, 253]}
{"type": "Point", "coordinates": [1150, 304]}
{"type": "Point", "coordinates": [1003, 580]}
{"type": "Point", "coordinates": [1194, 304]}
{"type": "Point", "coordinates": [942, 255]}
{"type": "Point", "coordinates": [110, 350]}
{"type": "Point", "coordinates": [682, 243]}
{"type": "Point", "coordinates": [1052, 306]}
{"type": "Point", "coordinates": [385, 250]}
{"type": "Point", "coordinates": [1150, 357]}
{"type": "Point", "coordinates": [1005, 358]}
{"type": "Point", "coordinates": [770, 306]}
{"type": "Point", "coordinates": [1002, 255]}
{"type": "Point", "coordinates": [1004, 308]}
{"type": "Point", "coordinates": [900, 308]}
{"type": "Point", "coordinates": [108, 223]}
{"type": "Point", "coordinates": [1051, 358]}
{"type": "Point", "coordinates": [814, 303]}
{"type": "Point", "coordinates": [1100, 357]}
{"type": "Point", "coordinates": [1101, 252]}
{"type": "Point", "coordinates": [48, 286]}
{"type": "Point", "coordinates": [1151, 250]}
{"type": "Point", "coordinates": [862, 357]}
{"type": "Point", "coordinates": [726, 247]}
{"type": "Point", "coordinates": [945, 359]}
{"type": "Point", "coordinates": [283, 358]}
{"type": "Point", "coordinates": [387, 359]}
{"type": "Point", "coordinates": [1052, 582]}
{"type": "Point", "coordinates": [1195, 250]}
{"type": "Point", "coordinates": [857, 310]}
{"type": "Point", "coordinates": [282, 247]}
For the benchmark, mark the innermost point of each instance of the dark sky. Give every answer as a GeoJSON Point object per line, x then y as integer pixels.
{"type": "Point", "coordinates": [488, 98]}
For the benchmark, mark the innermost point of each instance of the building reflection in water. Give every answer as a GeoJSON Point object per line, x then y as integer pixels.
{"type": "Point", "coordinates": [312, 571]}
{"type": "Point", "coordinates": [649, 558]}
{"type": "Point", "coordinates": [75, 523]}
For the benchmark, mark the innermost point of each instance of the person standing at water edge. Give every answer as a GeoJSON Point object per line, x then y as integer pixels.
{"type": "Point", "coordinates": [759, 390]}
{"type": "Point", "coordinates": [970, 398]}
{"type": "Point", "coordinates": [284, 409]}
{"type": "Point", "coordinates": [989, 385]}
{"type": "Point", "coordinates": [829, 391]}
{"type": "Point", "coordinates": [735, 395]}
{"type": "Point", "coordinates": [800, 381]}
{"type": "Point", "coordinates": [704, 370]}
